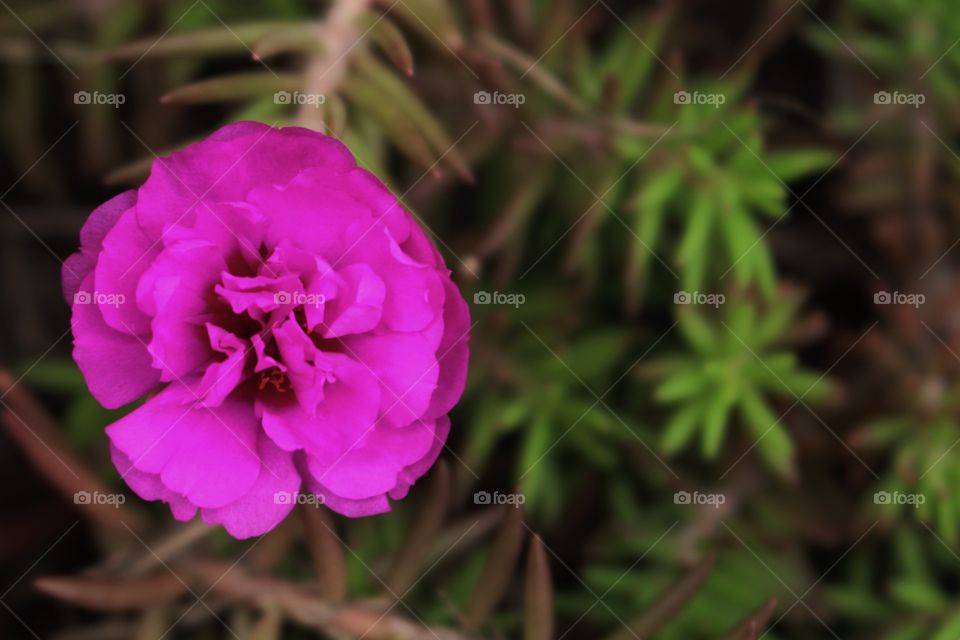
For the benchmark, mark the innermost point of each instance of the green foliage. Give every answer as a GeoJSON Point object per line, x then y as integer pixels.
{"type": "Point", "coordinates": [633, 169]}
{"type": "Point", "coordinates": [901, 39]}
{"type": "Point", "coordinates": [733, 367]}
{"type": "Point", "coordinates": [923, 474]}
{"type": "Point", "coordinates": [714, 176]}
{"type": "Point", "coordinates": [553, 403]}
{"type": "Point", "coordinates": [913, 599]}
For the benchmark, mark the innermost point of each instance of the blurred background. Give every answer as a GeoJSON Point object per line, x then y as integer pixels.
{"type": "Point", "coordinates": [710, 251]}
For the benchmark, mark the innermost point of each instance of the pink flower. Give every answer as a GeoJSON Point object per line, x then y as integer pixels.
{"type": "Point", "coordinates": [302, 333]}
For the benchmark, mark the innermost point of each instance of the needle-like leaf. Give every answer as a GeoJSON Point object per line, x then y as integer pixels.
{"type": "Point", "coordinates": [538, 623]}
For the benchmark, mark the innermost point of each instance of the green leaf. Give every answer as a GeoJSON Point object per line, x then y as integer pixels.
{"type": "Point", "coordinates": [238, 86]}
{"type": "Point", "coordinates": [533, 462]}
{"type": "Point", "coordinates": [917, 595]}
{"type": "Point", "coordinates": [798, 163]}
{"type": "Point", "coordinates": [693, 251]}
{"type": "Point", "coordinates": [681, 427]}
{"type": "Point", "coordinates": [715, 419]}
{"type": "Point", "coordinates": [696, 330]}
{"type": "Point", "coordinates": [397, 125]}
{"type": "Point", "coordinates": [391, 41]}
{"type": "Point", "coordinates": [772, 441]}
{"type": "Point", "coordinates": [631, 58]}
{"type": "Point", "coordinates": [238, 39]}
{"type": "Point", "coordinates": [680, 386]}
{"type": "Point", "coordinates": [949, 630]}
{"type": "Point", "coordinates": [433, 19]}
{"type": "Point", "coordinates": [775, 322]}
{"type": "Point", "coordinates": [398, 97]}
{"type": "Point", "coordinates": [594, 354]}
{"type": "Point", "coordinates": [302, 38]}
{"type": "Point", "coordinates": [740, 233]}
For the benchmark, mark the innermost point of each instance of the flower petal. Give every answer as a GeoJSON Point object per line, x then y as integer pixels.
{"type": "Point", "coordinates": [149, 487]}
{"type": "Point", "coordinates": [358, 308]}
{"type": "Point", "coordinates": [416, 470]}
{"type": "Point", "coordinates": [173, 435]}
{"type": "Point", "coordinates": [267, 502]}
{"type": "Point", "coordinates": [225, 166]}
{"type": "Point", "coordinates": [221, 378]}
{"type": "Point", "coordinates": [177, 291]}
{"type": "Point", "coordinates": [343, 420]}
{"type": "Point", "coordinates": [115, 365]}
{"type": "Point", "coordinates": [377, 466]}
{"type": "Point", "coordinates": [453, 354]}
{"type": "Point", "coordinates": [95, 229]}
{"type": "Point", "coordinates": [405, 364]}
{"type": "Point", "coordinates": [126, 253]}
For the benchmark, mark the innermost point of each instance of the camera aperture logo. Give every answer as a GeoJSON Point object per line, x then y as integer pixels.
{"type": "Point", "coordinates": [288, 497]}
{"type": "Point", "coordinates": [897, 98]}
{"type": "Point", "coordinates": [898, 498]}
{"type": "Point", "coordinates": [496, 98]}
{"type": "Point", "coordinates": [97, 98]}
{"type": "Point", "coordinates": [497, 498]}
{"type": "Point", "coordinates": [715, 100]}
{"type": "Point", "coordinates": [497, 297]}
{"type": "Point", "coordinates": [897, 297]}
{"type": "Point", "coordinates": [696, 297]}
{"type": "Point", "coordinates": [714, 500]}
{"type": "Point", "coordinates": [299, 298]}
{"type": "Point", "coordinates": [99, 298]}
{"type": "Point", "coordinates": [299, 98]}
{"type": "Point", "coordinates": [95, 497]}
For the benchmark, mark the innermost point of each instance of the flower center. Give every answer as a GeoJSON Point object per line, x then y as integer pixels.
{"type": "Point", "coordinates": [276, 378]}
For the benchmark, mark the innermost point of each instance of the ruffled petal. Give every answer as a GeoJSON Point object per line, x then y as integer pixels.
{"type": "Point", "coordinates": [177, 290]}
{"type": "Point", "coordinates": [94, 230]}
{"type": "Point", "coordinates": [173, 435]}
{"type": "Point", "coordinates": [268, 501]}
{"type": "Point", "coordinates": [453, 354]}
{"type": "Point", "coordinates": [405, 364]}
{"type": "Point", "coordinates": [357, 508]}
{"type": "Point", "coordinates": [221, 378]}
{"type": "Point", "coordinates": [126, 254]}
{"type": "Point", "coordinates": [414, 290]}
{"type": "Point", "coordinates": [225, 166]}
{"type": "Point", "coordinates": [345, 506]}
{"type": "Point", "coordinates": [416, 470]}
{"type": "Point", "coordinates": [149, 487]}
{"type": "Point", "coordinates": [344, 419]}
{"type": "Point", "coordinates": [359, 306]}
{"type": "Point", "coordinates": [376, 466]}
{"type": "Point", "coordinates": [315, 212]}
{"type": "Point", "coordinates": [115, 365]}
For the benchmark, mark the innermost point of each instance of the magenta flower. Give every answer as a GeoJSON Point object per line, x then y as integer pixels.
{"type": "Point", "coordinates": [302, 333]}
